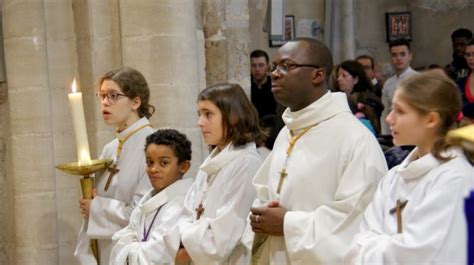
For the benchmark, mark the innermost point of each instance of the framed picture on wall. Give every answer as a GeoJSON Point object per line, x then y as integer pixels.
{"type": "Point", "coordinates": [398, 25]}
{"type": "Point", "coordinates": [288, 34]}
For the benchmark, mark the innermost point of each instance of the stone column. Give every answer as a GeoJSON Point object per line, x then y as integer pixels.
{"type": "Point", "coordinates": [41, 62]}
{"type": "Point", "coordinates": [227, 37]}
{"type": "Point", "coordinates": [342, 30]}
{"type": "Point", "coordinates": [99, 49]}
{"type": "Point", "coordinates": [32, 148]}
{"type": "Point", "coordinates": [159, 39]}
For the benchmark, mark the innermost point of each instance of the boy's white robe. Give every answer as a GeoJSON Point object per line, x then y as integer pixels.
{"type": "Point", "coordinates": [110, 210]}
{"type": "Point", "coordinates": [433, 220]}
{"type": "Point", "coordinates": [333, 171]}
{"type": "Point", "coordinates": [215, 237]}
{"type": "Point", "coordinates": [128, 245]}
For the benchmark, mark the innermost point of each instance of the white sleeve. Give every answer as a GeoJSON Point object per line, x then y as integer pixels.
{"type": "Point", "coordinates": [154, 250]}
{"type": "Point", "coordinates": [212, 240]}
{"type": "Point", "coordinates": [423, 233]}
{"type": "Point", "coordinates": [107, 215]}
{"type": "Point", "coordinates": [124, 240]}
{"type": "Point", "coordinates": [325, 233]}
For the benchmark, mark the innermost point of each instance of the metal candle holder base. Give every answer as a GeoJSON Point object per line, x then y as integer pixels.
{"type": "Point", "coordinates": [87, 184]}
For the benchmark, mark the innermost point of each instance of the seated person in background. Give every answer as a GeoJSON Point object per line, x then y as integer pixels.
{"type": "Point", "coordinates": [261, 84]}
{"type": "Point", "coordinates": [168, 157]}
{"type": "Point", "coordinates": [466, 84]}
{"type": "Point", "coordinates": [459, 68]}
{"type": "Point", "coordinates": [368, 64]}
{"type": "Point", "coordinates": [352, 80]}
{"type": "Point", "coordinates": [272, 125]}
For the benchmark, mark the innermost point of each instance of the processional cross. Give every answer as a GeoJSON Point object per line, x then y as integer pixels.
{"type": "Point", "coordinates": [398, 210]}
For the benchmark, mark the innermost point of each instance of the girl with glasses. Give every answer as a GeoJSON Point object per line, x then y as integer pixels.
{"type": "Point", "coordinates": [124, 101]}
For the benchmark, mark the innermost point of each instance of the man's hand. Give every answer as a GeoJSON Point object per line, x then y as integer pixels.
{"type": "Point", "coordinates": [268, 219]}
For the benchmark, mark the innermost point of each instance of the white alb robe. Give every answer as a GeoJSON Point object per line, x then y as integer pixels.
{"type": "Point", "coordinates": [433, 220]}
{"type": "Point", "coordinates": [333, 171]}
{"type": "Point", "coordinates": [128, 247]}
{"type": "Point", "coordinates": [215, 237]}
{"type": "Point", "coordinates": [110, 210]}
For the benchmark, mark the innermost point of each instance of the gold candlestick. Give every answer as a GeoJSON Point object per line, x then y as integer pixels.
{"type": "Point", "coordinates": [87, 184]}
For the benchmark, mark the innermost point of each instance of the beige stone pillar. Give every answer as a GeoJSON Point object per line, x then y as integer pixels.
{"type": "Point", "coordinates": [342, 40]}
{"type": "Point", "coordinates": [41, 60]}
{"type": "Point", "coordinates": [227, 37]}
{"type": "Point", "coordinates": [99, 49]}
{"type": "Point", "coordinates": [159, 39]}
{"type": "Point", "coordinates": [34, 183]}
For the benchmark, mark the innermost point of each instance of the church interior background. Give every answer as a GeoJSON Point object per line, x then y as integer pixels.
{"type": "Point", "coordinates": [181, 46]}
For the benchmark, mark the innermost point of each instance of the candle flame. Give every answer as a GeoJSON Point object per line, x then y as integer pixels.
{"type": "Point", "coordinates": [74, 86]}
{"type": "Point", "coordinates": [85, 158]}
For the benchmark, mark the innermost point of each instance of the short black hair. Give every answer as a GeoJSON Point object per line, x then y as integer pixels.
{"type": "Point", "coordinates": [317, 53]}
{"type": "Point", "coordinates": [399, 42]}
{"type": "Point", "coordinates": [258, 54]}
{"type": "Point", "coordinates": [461, 33]}
{"type": "Point", "coordinates": [365, 56]}
{"type": "Point", "coordinates": [177, 141]}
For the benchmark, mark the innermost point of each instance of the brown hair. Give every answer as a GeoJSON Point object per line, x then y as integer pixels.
{"type": "Point", "coordinates": [432, 92]}
{"type": "Point", "coordinates": [239, 116]}
{"type": "Point", "coordinates": [133, 84]}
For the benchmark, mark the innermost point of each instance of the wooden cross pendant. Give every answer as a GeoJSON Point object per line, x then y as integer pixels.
{"type": "Point", "coordinates": [398, 210]}
{"type": "Point", "coordinates": [199, 211]}
{"type": "Point", "coordinates": [283, 175]}
{"type": "Point", "coordinates": [113, 170]}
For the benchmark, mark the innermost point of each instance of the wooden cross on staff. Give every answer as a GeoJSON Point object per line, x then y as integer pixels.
{"type": "Point", "coordinates": [283, 175]}
{"type": "Point", "coordinates": [398, 210]}
{"type": "Point", "coordinates": [113, 170]}
{"type": "Point", "coordinates": [199, 211]}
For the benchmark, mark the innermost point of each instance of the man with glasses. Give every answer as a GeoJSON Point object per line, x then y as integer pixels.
{"type": "Point", "coordinates": [368, 63]}
{"type": "Point", "coordinates": [323, 169]}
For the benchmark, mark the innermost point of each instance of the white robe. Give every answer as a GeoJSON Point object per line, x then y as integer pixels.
{"type": "Point", "coordinates": [110, 210]}
{"type": "Point", "coordinates": [332, 173]}
{"type": "Point", "coordinates": [433, 221]}
{"type": "Point", "coordinates": [215, 237]}
{"type": "Point", "coordinates": [128, 245]}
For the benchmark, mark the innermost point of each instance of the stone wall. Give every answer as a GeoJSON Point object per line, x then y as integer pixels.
{"type": "Point", "coordinates": [301, 9]}
{"type": "Point", "coordinates": [433, 23]}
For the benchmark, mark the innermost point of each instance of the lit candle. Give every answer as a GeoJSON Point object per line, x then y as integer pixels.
{"type": "Point", "coordinates": [79, 122]}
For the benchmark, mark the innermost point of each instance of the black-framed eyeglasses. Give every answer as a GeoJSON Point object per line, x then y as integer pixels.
{"type": "Point", "coordinates": [285, 67]}
{"type": "Point", "coordinates": [112, 96]}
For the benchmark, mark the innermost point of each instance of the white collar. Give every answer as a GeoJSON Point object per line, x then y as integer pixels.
{"type": "Point", "coordinates": [218, 159]}
{"type": "Point", "coordinates": [148, 205]}
{"type": "Point", "coordinates": [405, 73]}
{"type": "Point", "coordinates": [327, 106]}
{"type": "Point", "coordinates": [412, 168]}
